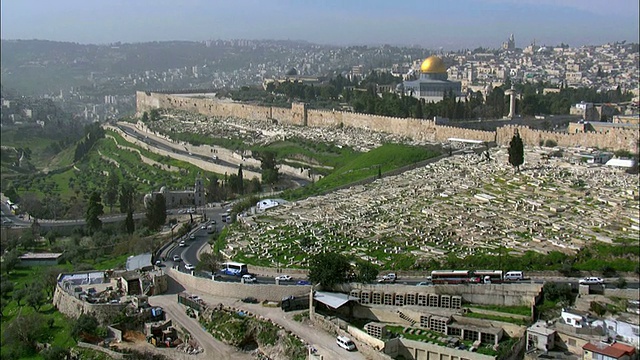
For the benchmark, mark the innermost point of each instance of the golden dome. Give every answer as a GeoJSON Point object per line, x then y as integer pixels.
{"type": "Point", "coordinates": [433, 65]}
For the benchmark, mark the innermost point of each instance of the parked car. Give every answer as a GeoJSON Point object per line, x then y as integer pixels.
{"type": "Point", "coordinates": [250, 300]}
{"type": "Point", "coordinates": [177, 258]}
{"type": "Point", "coordinates": [283, 278]}
{"type": "Point", "coordinates": [182, 244]}
{"type": "Point", "coordinates": [204, 226]}
{"type": "Point", "coordinates": [424, 283]}
{"type": "Point", "coordinates": [248, 279]}
{"type": "Point", "coordinates": [591, 281]}
{"type": "Point", "coordinates": [192, 237]}
{"type": "Point", "coordinates": [303, 282]}
{"type": "Point", "coordinates": [189, 266]}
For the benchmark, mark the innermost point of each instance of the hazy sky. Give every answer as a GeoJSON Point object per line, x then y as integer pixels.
{"type": "Point", "coordinates": [451, 24]}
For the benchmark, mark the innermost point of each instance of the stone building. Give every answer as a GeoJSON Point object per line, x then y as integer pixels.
{"type": "Point", "coordinates": [180, 198]}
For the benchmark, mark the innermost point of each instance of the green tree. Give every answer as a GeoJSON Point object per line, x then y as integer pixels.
{"type": "Point", "coordinates": [85, 324]}
{"type": "Point", "coordinates": [10, 261]}
{"type": "Point", "coordinates": [126, 199]}
{"type": "Point", "coordinates": [35, 295]}
{"type": "Point", "coordinates": [557, 292]}
{"type": "Point", "coordinates": [417, 112]}
{"type": "Point", "coordinates": [269, 167]}
{"type": "Point", "coordinates": [154, 115]}
{"type": "Point", "coordinates": [156, 212]}
{"type": "Point", "coordinates": [516, 151]}
{"type": "Point", "coordinates": [129, 224]}
{"type": "Point", "coordinates": [23, 333]}
{"type": "Point", "coordinates": [19, 294]}
{"type": "Point", "coordinates": [94, 211]}
{"type": "Point", "coordinates": [329, 269]}
{"type": "Point", "coordinates": [145, 117]}
{"type": "Point", "coordinates": [210, 262]}
{"type": "Point", "coordinates": [111, 191]}
{"type": "Point", "coordinates": [6, 286]}
{"type": "Point", "coordinates": [240, 181]}
{"type": "Point", "coordinates": [367, 272]}
{"type": "Point", "coordinates": [50, 279]}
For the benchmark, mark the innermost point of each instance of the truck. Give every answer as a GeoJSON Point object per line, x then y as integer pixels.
{"type": "Point", "coordinates": [291, 303]}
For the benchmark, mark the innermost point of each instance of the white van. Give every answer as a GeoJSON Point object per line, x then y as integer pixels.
{"type": "Point", "coordinates": [513, 276]}
{"type": "Point", "coordinates": [345, 343]}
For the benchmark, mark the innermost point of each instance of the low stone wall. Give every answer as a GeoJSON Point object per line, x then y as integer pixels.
{"type": "Point", "coordinates": [112, 354]}
{"type": "Point", "coordinates": [412, 349]}
{"type": "Point", "coordinates": [631, 294]}
{"type": "Point", "coordinates": [238, 290]}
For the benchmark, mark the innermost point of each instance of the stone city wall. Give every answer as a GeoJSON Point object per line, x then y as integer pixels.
{"type": "Point", "coordinates": [612, 139]}
{"type": "Point", "coordinates": [417, 129]}
{"type": "Point", "coordinates": [238, 290]}
{"type": "Point", "coordinates": [74, 307]}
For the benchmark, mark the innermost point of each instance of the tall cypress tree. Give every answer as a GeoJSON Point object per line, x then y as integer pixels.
{"type": "Point", "coordinates": [94, 210]}
{"type": "Point", "coordinates": [240, 181]}
{"type": "Point", "coordinates": [516, 151]}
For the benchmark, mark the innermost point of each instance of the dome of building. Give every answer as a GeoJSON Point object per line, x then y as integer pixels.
{"type": "Point", "coordinates": [433, 65]}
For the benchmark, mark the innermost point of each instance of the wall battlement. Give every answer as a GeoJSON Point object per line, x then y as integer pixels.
{"type": "Point", "coordinates": [417, 129]}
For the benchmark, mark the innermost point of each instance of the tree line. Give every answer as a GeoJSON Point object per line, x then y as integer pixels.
{"type": "Point", "coordinates": [363, 97]}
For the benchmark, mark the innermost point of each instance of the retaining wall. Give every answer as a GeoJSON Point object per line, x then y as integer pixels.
{"type": "Point", "coordinates": [237, 290]}
{"type": "Point", "coordinates": [74, 307]}
{"type": "Point", "coordinates": [490, 294]}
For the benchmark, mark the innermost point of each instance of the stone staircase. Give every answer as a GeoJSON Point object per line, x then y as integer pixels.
{"type": "Point", "coordinates": [404, 317]}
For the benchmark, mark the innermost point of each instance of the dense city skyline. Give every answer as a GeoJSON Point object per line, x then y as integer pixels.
{"type": "Point", "coordinates": [461, 24]}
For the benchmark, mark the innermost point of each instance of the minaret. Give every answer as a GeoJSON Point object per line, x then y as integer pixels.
{"type": "Point", "coordinates": [199, 192]}
{"type": "Point", "coordinates": [512, 102]}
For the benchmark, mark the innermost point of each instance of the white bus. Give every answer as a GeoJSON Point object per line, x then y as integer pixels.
{"type": "Point", "coordinates": [450, 276]}
{"type": "Point", "coordinates": [234, 268]}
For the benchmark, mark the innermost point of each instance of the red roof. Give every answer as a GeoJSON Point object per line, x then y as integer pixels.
{"type": "Point", "coordinates": [616, 350]}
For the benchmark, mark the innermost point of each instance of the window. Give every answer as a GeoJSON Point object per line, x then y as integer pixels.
{"type": "Point", "coordinates": [572, 342]}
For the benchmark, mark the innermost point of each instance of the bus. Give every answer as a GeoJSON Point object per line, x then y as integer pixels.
{"type": "Point", "coordinates": [487, 276]}
{"type": "Point", "coordinates": [450, 276]}
{"type": "Point", "coordinates": [234, 268]}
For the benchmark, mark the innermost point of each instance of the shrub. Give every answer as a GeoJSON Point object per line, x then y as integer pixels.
{"type": "Point", "coordinates": [597, 308]}
{"type": "Point", "coordinates": [550, 143]}
{"type": "Point", "coordinates": [621, 283]}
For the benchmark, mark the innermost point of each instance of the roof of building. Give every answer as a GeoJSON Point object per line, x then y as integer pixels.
{"type": "Point", "coordinates": [627, 163]}
{"type": "Point", "coordinates": [130, 275]}
{"type": "Point", "coordinates": [433, 65]}
{"type": "Point", "coordinates": [40, 256]}
{"type": "Point", "coordinates": [139, 262]}
{"type": "Point", "coordinates": [541, 328]}
{"type": "Point", "coordinates": [333, 300]}
{"type": "Point", "coordinates": [615, 350]}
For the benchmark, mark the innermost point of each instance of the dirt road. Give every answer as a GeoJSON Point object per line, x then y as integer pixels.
{"type": "Point", "coordinates": [213, 349]}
